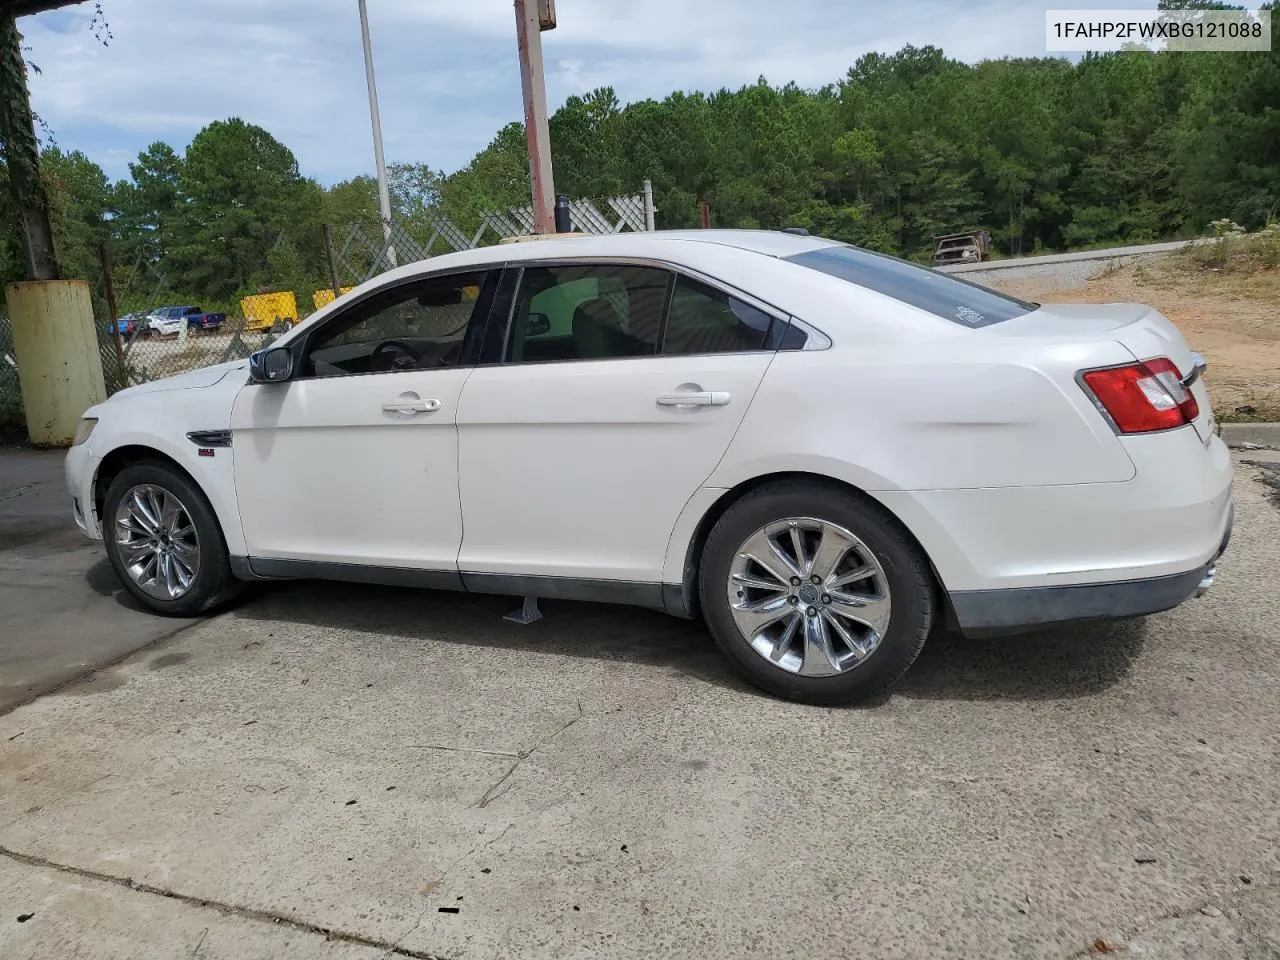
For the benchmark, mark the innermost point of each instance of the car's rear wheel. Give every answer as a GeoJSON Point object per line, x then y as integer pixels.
{"type": "Point", "coordinates": [814, 593]}
{"type": "Point", "coordinates": [164, 541]}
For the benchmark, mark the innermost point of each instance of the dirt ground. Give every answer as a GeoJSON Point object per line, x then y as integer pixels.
{"type": "Point", "coordinates": [1233, 320]}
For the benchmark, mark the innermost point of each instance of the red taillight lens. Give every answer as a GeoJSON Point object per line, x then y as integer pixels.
{"type": "Point", "coordinates": [1143, 397]}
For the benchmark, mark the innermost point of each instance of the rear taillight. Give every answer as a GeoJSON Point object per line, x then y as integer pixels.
{"type": "Point", "coordinates": [1142, 397]}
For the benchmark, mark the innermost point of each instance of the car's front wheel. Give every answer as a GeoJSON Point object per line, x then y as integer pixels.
{"type": "Point", "coordinates": [164, 541]}
{"type": "Point", "coordinates": [814, 593]}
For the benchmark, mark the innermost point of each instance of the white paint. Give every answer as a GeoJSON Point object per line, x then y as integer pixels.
{"type": "Point", "coordinates": [979, 441]}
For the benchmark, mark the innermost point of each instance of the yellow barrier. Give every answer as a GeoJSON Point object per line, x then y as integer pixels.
{"type": "Point", "coordinates": [322, 298]}
{"type": "Point", "coordinates": [262, 311]}
{"type": "Point", "coordinates": [56, 348]}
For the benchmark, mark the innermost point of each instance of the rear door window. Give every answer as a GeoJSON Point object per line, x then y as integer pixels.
{"type": "Point", "coordinates": [705, 320]}
{"type": "Point", "coordinates": [587, 312]}
{"type": "Point", "coordinates": [941, 294]}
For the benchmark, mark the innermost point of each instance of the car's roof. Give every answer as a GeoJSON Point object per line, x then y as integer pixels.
{"type": "Point", "coordinates": [768, 242]}
{"type": "Point", "coordinates": [773, 243]}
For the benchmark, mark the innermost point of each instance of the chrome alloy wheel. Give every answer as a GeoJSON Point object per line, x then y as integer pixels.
{"type": "Point", "coordinates": [809, 596]}
{"type": "Point", "coordinates": [157, 542]}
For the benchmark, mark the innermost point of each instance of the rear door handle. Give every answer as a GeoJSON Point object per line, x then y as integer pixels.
{"type": "Point", "coordinates": [410, 406]}
{"type": "Point", "coordinates": [713, 398]}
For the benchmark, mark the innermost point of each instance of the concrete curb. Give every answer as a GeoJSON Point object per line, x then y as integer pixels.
{"type": "Point", "coordinates": [1262, 434]}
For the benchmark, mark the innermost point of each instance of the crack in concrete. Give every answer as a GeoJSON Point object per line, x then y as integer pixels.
{"type": "Point", "coordinates": [440, 746]}
{"type": "Point", "coordinates": [227, 909]}
{"type": "Point", "coordinates": [497, 790]}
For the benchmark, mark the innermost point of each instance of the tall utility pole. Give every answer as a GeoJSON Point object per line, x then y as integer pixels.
{"type": "Point", "coordinates": [532, 17]}
{"type": "Point", "coordinates": [384, 193]}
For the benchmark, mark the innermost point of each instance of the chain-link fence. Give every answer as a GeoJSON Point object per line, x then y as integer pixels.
{"type": "Point", "coordinates": [147, 332]}
{"type": "Point", "coordinates": [11, 419]}
{"type": "Point", "coordinates": [360, 251]}
{"type": "Point", "coordinates": [149, 329]}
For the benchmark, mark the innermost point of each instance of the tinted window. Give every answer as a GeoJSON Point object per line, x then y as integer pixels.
{"type": "Point", "coordinates": [418, 326]}
{"type": "Point", "coordinates": [706, 320]}
{"type": "Point", "coordinates": [942, 295]}
{"type": "Point", "coordinates": [587, 312]}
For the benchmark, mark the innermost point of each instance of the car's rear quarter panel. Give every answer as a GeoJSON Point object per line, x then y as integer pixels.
{"type": "Point", "coordinates": [984, 447]}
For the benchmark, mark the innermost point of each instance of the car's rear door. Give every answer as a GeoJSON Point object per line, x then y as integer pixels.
{"type": "Point", "coordinates": [620, 388]}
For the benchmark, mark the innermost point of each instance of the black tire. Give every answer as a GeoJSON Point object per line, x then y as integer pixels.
{"type": "Point", "coordinates": [214, 583]}
{"type": "Point", "coordinates": [910, 583]}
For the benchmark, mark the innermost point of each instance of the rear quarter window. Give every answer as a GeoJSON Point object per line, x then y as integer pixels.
{"type": "Point", "coordinates": [941, 294]}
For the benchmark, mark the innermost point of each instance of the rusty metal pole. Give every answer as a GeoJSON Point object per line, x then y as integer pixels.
{"type": "Point", "coordinates": [537, 132]}
{"type": "Point", "coordinates": [114, 317]}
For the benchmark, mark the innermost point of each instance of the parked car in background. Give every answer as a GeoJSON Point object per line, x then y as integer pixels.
{"type": "Point", "coordinates": [962, 248]}
{"type": "Point", "coordinates": [197, 319]}
{"type": "Point", "coordinates": [819, 450]}
{"type": "Point", "coordinates": [127, 325]}
{"type": "Point", "coordinates": [167, 321]}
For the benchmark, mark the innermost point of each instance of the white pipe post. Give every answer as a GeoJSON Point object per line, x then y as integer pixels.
{"type": "Point", "coordinates": [384, 193]}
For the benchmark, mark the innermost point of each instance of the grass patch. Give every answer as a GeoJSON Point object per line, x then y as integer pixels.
{"type": "Point", "coordinates": [1260, 409]}
{"type": "Point", "coordinates": [1236, 251]}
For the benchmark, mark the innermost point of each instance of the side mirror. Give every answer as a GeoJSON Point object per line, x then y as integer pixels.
{"type": "Point", "coordinates": [539, 323]}
{"type": "Point", "coordinates": [271, 366]}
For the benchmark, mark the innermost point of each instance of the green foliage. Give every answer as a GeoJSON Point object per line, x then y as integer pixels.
{"type": "Point", "coordinates": [1237, 251]}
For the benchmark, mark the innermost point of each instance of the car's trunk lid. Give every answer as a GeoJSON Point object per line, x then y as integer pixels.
{"type": "Point", "coordinates": [1145, 332]}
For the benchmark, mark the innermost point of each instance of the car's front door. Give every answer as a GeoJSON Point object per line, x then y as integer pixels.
{"type": "Point", "coordinates": [621, 388]}
{"type": "Point", "coordinates": [354, 459]}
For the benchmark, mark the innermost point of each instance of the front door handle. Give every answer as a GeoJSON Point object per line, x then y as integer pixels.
{"type": "Point", "coordinates": [410, 405]}
{"type": "Point", "coordinates": [711, 398]}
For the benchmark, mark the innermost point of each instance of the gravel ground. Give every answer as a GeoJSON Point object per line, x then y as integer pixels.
{"type": "Point", "coordinates": [1068, 275]}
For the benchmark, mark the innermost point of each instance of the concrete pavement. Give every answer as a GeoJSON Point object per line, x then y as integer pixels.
{"type": "Point", "coordinates": [62, 610]}
{"type": "Point", "coordinates": [406, 773]}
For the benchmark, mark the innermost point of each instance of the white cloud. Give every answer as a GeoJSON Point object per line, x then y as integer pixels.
{"type": "Point", "coordinates": [447, 71]}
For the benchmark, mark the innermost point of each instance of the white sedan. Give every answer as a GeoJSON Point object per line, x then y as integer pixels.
{"type": "Point", "coordinates": [821, 451]}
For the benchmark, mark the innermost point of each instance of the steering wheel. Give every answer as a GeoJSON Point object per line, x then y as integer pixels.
{"type": "Point", "coordinates": [387, 346]}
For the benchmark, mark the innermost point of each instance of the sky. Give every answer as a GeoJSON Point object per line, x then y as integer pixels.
{"type": "Point", "coordinates": [447, 72]}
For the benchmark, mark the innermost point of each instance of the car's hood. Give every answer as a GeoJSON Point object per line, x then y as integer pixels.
{"type": "Point", "coordinates": [191, 380]}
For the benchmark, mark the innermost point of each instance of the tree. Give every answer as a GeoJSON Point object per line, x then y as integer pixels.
{"type": "Point", "coordinates": [242, 191]}
{"type": "Point", "coordinates": [149, 205]}
{"type": "Point", "coordinates": [1227, 140]}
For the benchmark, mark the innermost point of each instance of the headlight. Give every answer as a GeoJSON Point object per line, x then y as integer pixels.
{"type": "Point", "coordinates": [83, 431]}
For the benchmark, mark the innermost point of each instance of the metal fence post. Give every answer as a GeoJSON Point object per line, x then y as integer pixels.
{"type": "Point", "coordinates": [649, 208]}
{"type": "Point", "coordinates": [113, 313]}
{"type": "Point", "coordinates": [333, 262]}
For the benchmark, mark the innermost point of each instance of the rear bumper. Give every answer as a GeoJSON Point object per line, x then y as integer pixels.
{"type": "Point", "coordinates": [997, 612]}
